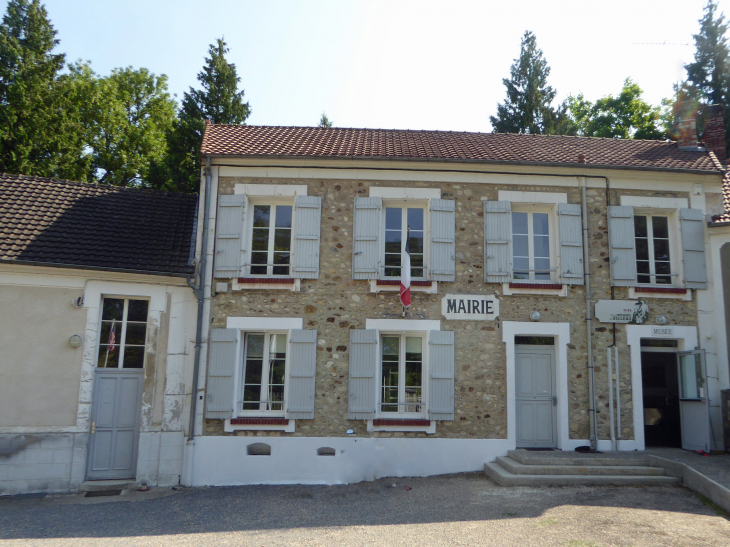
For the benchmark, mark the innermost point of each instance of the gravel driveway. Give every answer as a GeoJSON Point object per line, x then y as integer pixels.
{"type": "Point", "coordinates": [465, 509]}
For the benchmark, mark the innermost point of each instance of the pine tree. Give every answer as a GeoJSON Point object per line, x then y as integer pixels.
{"type": "Point", "coordinates": [40, 130]}
{"type": "Point", "coordinates": [219, 101]}
{"type": "Point", "coordinates": [527, 108]}
{"type": "Point", "coordinates": [324, 121]}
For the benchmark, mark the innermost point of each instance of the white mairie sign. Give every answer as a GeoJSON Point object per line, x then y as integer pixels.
{"type": "Point", "coordinates": [622, 311]}
{"type": "Point", "coordinates": [470, 307]}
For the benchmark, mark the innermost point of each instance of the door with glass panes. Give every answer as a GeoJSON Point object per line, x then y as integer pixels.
{"type": "Point", "coordinates": [118, 378]}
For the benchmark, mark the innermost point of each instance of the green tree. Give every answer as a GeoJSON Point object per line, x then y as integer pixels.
{"type": "Point", "coordinates": [219, 101]}
{"type": "Point", "coordinates": [708, 76]}
{"type": "Point", "coordinates": [527, 108]}
{"type": "Point", "coordinates": [625, 116]}
{"type": "Point", "coordinates": [40, 130]}
{"type": "Point", "coordinates": [324, 121]}
{"type": "Point", "coordinates": [127, 116]}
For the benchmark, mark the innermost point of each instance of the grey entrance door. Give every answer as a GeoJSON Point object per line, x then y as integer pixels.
{"type": "Point", "coordinates": [115, 416]}
{"type": "Point", "coordinates": [693, 400]}
{"type": "Point", "coordinates": [536, 400]}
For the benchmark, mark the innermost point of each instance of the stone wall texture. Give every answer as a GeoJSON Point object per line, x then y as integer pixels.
{"type": "Point", "coordinates": [335, 303]}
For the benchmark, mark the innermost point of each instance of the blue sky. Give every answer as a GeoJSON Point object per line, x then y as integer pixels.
{"type": "Point", "coordinates": [390, 64]}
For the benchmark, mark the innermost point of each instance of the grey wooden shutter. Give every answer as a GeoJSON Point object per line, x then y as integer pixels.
{"type": "Point", "coordinates": [692, 223]}
{"type": "Point", "coordinates": [306, 237]}
{"type": "Point", "coordinates": [571, 244]}
{"type": "Point", "coordinates": [229, 235]}
{"type": "Point", "coordinates": [443, 239]}
{"type": "Point", "coordinates": [366, 238]}
{"type": "Point", "coordinates": [363, 368]}
{"type": "Point", "coordinates": [441, 366]}
{"type": "Point", "coordinates": [221, 365]}
{"type": "Point", "coordinates": [621, 239]}
{"type": "Point", "coordinates": [497, 242]}
{"type": "Point", "coordinates": [302, 367]}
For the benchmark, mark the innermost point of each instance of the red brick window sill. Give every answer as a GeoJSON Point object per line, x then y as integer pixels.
{"type": "Point", "coordinates": [661, 290]}
{"type": "Point", "coordinates": [259, 421]}
{"type": "Point", "coordinates": [390, 421]}
{"type": "Point", "coordinates": [390, 282]}
{"type": "Point", "coordinates": [541, 286]}
{"type": "Point", "coordinates": [267, 280]}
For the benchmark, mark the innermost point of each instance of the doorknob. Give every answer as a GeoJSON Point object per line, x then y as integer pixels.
{"type": "Point", "coordinates": [93, 427]}
{"type": "Point", "coordinates": [555, 400]}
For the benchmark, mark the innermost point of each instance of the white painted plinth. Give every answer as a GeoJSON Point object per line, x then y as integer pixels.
{"type": "Point", "coordinates": [223, 461]}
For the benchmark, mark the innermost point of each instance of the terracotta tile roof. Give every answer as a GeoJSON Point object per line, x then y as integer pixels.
{"type": "Point", "coordinates": [90, 225]}
{"type": "Point", "coordinates": [725, 217]}
{"type": "Point", "coordinates": [265, 141]}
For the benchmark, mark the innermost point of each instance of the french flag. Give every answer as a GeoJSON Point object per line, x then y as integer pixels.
{"type": "Point", "coordinates": [405, 276]}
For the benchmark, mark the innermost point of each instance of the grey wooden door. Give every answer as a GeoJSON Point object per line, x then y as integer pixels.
{"type": "Point", "coordinates": [115, 417]}
{"type": "Point", "coordinates": [693, 400]}
{"type": "Point", "coordinates": [536, 400]}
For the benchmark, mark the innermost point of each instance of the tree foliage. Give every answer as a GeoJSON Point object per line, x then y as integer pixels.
{"type": "Point", "coordinates": [527, 108]}
{"type": "Point", "coordinates": [40, 130]}
{"type": "Point", "coordinates": [624, 116]}
{"type": "Point", "coordinates": [220, 101]}
{"type": "Point", "coordinates": [325, 122]}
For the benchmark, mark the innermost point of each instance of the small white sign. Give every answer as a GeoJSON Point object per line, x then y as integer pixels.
{"type": "Point", "coordinates": [470, 307]}
{"type": "Point", "coordinates": [622, 311]}
{"type": "Point", "coordinates": [663, 332]}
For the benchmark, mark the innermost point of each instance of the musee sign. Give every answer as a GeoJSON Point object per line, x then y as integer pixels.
{"type": "Point", "coordinates": [470, 307]}
{"type": "Point", "coordinates": [622, 311]}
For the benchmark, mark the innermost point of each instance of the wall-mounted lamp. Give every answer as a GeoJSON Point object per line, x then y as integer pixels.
{"type": "Point", "coordinates": [661, 319]}
{"type": "Point", "coordinates": [535, 315]}
{"type": "Point", "coordinates": [75, 341]}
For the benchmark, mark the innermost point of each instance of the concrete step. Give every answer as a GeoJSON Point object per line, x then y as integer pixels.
{"type": "Point", "coordinates": [528, 457]}
{"type": "Point", "coordinates": [585, 468]}
{"type": "Point", "coordinates": [504, 478]}
{"type": "Point", "coordinates": [97, 486]}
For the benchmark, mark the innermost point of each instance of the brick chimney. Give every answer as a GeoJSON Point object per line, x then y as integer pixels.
{"type": "Point", "coordinates": [713, 136]}
{"type": "Point", "coordinates": [687, 131]}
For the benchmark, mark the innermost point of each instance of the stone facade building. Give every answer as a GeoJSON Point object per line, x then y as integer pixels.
{"type": "Point", "coordinates": [556, 283]}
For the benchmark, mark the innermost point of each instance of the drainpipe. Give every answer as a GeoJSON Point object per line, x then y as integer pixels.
{"type": "Point", "coordinates": [199, 294]}
{"type": "Point", "coordinates": [589, 341]}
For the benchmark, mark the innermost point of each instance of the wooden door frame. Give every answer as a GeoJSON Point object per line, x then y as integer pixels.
{"type": "Point", "coordinates": [545, 350]}
{"type": "Point", "coordinates": [138, 419]}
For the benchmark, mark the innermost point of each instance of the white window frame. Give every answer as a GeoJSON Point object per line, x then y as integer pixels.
{"type": "Point", "coordinates": [241, 373]}
{"type": "Point", "coordinates": [553, 233]}
{"type": "Point", "coordinates": [423, 414]}
{"type": "Point", "coordinates": [248, 246]}
{"type": "Point", "coordinates": [675, 251]}
{"type": "Point", "coordinates": [123, 336]}
{"type": "Point", "coordinates": [405, 204]}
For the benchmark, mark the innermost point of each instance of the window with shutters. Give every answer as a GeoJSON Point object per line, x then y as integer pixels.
{"type": "Point", "coordinates": [533, 248]}
{"type": "Point", "coordinates": [264, 372]}
{"type": "Point", "coordinates": [404, 226]}
{"type": "Point", "coordinates": [271, 239]}
{"type": "Point", "coordinates": [402, 375]}
{"type": "Point", "coordinates": [123, 333]}
{"type": "Point", "coordinates": [653, 243]}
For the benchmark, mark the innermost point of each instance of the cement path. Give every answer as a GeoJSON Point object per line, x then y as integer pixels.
{"type": "Point", "coordinates": [715, 466]}
{"type": "Point", "coordinates": [465, 509]}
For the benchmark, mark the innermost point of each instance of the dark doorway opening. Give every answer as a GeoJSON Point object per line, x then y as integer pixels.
{"type": "Point", "coordinates": [662, 426]}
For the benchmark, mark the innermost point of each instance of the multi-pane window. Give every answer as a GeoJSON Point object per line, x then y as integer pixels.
{"type": "Point", "coordinates": [400, 221]}
{"type": "Point", "coordinates": [531, 246]}
{"type": "Point", "coordinates": [123, 333]}
{"type": "Point", "coordinates": [653, 265]}
{"type": "Point", "coordinates": [264, 372]}
{"type": "Point", "coordinates": [402, 374]}
{"type": "Point", "coordinates": [271, 240]}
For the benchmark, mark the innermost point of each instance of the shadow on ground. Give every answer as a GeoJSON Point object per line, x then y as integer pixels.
{"type": "Point", "coordinates": [443, 499]}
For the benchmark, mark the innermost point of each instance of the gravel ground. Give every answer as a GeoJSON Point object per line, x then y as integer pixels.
{"type": "Point", "coordinates": [465, 509]}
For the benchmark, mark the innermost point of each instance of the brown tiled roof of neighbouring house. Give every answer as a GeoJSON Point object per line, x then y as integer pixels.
{"type": "Point", "coordinates": [725, 217]}
{"type": "Point", "coordinates": [499, 148]}
{"type": "Point", "coordinates": [58, 222]}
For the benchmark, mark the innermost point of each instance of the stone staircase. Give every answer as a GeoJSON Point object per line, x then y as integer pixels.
{"type": "Point", "coordinates": [528, 468]}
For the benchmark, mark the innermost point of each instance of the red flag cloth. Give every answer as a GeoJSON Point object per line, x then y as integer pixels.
{"type": "Point", "coordinates": [112, 337]}
{"type": "Point", "coordinates": [405, 275]}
